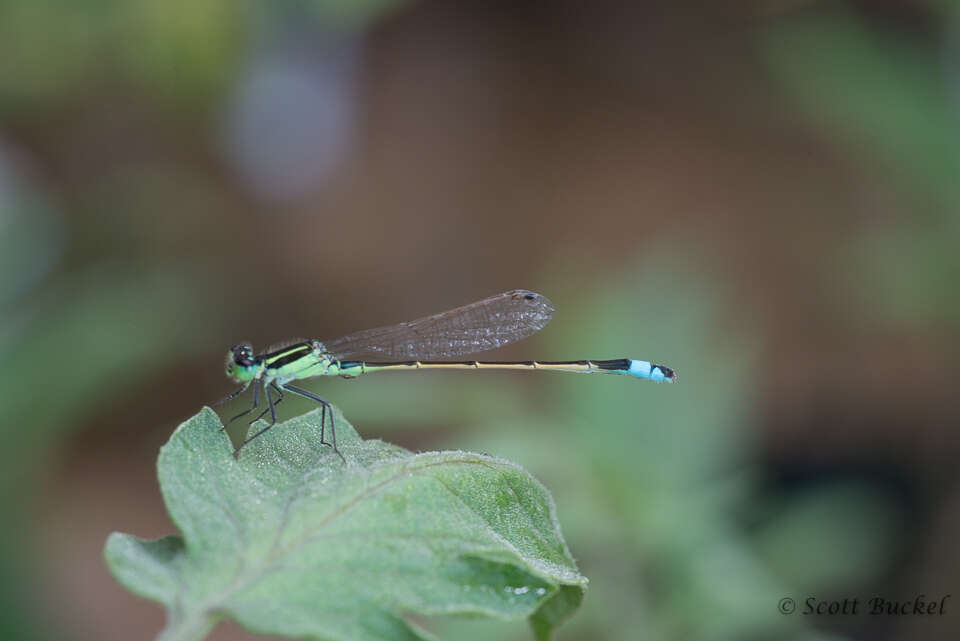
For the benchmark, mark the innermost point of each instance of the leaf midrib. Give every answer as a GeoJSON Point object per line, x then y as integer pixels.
{"type": "Point", "coordinates": [245, 577]}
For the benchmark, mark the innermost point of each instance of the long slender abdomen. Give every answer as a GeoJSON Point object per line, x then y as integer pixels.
{"type": "Point", "coordinates": [622, 366]}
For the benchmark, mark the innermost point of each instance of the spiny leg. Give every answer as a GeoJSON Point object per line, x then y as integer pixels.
{"type": "Point", "coordinates": [256, 404]}
{"type": "Point", "coordinates": [326, 408]}
{"type": "Point", "coordinates": [323, 425]}
{"type": "Point", "coordinates": [273, 421]}
{"type": "Point", "coordinates": [233, 395]}
{"type": "Point", "coordinates": [276, 389]}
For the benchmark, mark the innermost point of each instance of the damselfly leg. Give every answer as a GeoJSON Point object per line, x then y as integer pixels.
{"type": "Point", "coordinates": [327, 409]}
{"type": "Point", "coordinates": [271, 407]}
{"type": "Point", "coordinates": [256, 404]}
{"type": "Point", "coordinates": [233, 395]}
{"type": "Point", "coordinates": [276, 389]}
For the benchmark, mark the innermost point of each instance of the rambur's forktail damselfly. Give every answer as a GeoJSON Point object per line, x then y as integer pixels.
{"type": "Point", "coordinates": [477, 327]}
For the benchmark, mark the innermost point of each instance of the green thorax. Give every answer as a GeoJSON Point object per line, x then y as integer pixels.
{"type": "Point", "coordinates": [299, 360]}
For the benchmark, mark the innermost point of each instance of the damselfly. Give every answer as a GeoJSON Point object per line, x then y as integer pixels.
{"type": "Point", "coordinates": [421, 344]}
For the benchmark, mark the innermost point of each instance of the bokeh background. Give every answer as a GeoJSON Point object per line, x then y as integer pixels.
{"type": "Point", "coordinates": [763, 195]}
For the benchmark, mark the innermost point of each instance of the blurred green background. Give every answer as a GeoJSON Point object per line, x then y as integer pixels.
{"type": "Point", "coordinates": [764, 195]}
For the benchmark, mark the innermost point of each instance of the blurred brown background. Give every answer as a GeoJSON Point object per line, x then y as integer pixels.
{"type": "Point", "coordinates": [763, 195]}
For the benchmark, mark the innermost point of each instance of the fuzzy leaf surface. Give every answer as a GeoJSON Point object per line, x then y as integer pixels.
{"type": "Point", "coordinates": [291, 541]}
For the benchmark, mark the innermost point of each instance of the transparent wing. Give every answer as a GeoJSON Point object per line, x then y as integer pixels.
{"type": "Point", "coordinates": [477, 327]}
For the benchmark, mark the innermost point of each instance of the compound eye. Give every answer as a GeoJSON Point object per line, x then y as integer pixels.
{"type": "Point", "coordinates": [242, 355]}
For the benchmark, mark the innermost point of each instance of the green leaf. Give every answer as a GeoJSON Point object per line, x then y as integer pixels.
{"type": "Point", "coordinates": [291, 541]}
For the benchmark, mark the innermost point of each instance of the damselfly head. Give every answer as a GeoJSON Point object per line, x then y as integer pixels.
{"type": "Point", "coordinates": [241, 364]}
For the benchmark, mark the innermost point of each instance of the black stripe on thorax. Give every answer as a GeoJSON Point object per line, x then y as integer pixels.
{"type": "Point", "coordinates": [287, 355]}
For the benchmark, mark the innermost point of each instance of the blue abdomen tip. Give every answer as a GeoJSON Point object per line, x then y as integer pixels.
{"type": "Point", "coordinates": [651, 371]}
